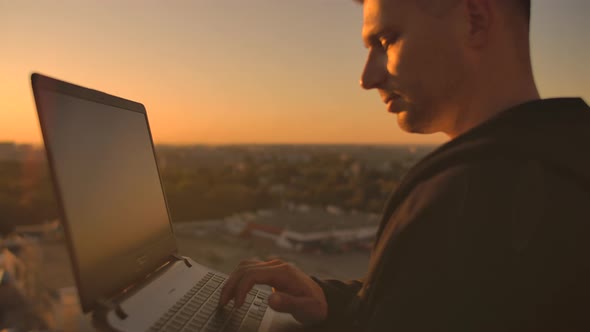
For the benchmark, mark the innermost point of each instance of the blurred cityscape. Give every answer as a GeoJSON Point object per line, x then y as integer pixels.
{"type": "Point", "coordinates": [316, 206]}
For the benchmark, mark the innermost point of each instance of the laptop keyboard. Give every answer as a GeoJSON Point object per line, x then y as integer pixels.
{"type": "Point", "coordinates": [197, 310]}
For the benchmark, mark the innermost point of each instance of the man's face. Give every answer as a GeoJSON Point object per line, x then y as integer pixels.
{"type": "Point", "coordinates": [416, 60]}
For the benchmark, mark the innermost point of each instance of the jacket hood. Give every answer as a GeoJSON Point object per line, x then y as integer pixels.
{"type": "Point", "coordinates": [554, 131]}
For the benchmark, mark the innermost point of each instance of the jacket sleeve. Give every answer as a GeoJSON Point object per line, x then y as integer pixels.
{"type": "Point", "coordinates": [341, 297]}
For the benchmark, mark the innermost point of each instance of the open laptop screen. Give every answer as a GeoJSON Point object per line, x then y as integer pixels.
{"type": "Point", "coordinates": [109, 188]}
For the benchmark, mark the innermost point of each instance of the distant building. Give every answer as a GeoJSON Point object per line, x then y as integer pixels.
{"type": "Point", "coordinates": [313, 230]}
{"type": "Point", "coordinates": [264, 231]}
{"type": "Point", "coordinates": [13, 151]}
{"type": "Point", "coordinates": [332, 209]}
{"type": "Point", "coordinates": [8, 151]}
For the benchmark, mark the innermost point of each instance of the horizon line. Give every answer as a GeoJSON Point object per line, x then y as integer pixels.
{"type": "Point", "coordinates": [184, 144]}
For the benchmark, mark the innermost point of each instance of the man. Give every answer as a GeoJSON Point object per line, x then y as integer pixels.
{"type": "Point", "coordinates": [490, 231]}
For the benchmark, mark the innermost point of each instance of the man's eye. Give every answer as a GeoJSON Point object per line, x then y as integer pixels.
{"type": "Point", "coordinates": [387, 41]}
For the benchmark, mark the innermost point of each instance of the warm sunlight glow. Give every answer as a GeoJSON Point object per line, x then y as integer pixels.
{"type": "Point", "coordinates": [208, 73]}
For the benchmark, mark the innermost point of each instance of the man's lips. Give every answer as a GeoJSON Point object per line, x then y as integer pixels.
{"type": "Point", "coordinates": [389, 98]}
{"type": "Point", "coordinates": [391, 102]}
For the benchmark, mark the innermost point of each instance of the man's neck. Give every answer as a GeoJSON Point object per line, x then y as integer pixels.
{"type": "Point", "coordinates": [492, 99]}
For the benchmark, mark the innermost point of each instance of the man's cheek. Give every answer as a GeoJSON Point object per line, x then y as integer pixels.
{"type": "Point", "coordinates": [393, 68]}
{"type": "Point", "coordinates": [395, 56]}
{"type": "Point", "coordinates": [405, 66]}
{"type": "Point", "coordinates": [405, 77]}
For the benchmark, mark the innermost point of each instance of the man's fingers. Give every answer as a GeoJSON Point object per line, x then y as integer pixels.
{"type": "Point", "coordinates": [244, 268]}
{"type": "Point", "coordinates": [247, 262]}
{"type": "Point", "coordinates": [228, 287]}
{"type": "Point", "coordinates": [275, 275]}
{"type": "Point", "coordinates": [259, 275]}
{"type": "Point", "coordinates": [227, 290]}
{"type": "Point", "coordinates": [294, 292]}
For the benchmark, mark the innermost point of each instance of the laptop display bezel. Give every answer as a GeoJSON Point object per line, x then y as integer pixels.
{"type": "Point", "coordinates": [155, 255]}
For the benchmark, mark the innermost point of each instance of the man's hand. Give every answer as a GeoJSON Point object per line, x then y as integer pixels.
{"type": "Point", "coordinates": [294, 292]}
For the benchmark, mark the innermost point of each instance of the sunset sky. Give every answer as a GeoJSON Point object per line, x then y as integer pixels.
{"type": "Point", "coordinates": [238, 71]}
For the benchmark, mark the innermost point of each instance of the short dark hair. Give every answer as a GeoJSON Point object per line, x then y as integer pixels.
{"type": "Point", "coordinates": [525, 6]}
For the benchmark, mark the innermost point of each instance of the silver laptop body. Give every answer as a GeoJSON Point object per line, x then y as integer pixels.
{"type": "Point", "coordinates": [125, 260]}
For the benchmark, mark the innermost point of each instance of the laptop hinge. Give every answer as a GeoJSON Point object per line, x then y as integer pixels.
{"type": "Point", "coordinates": [180, 258]}
{"type": "Point", "coordinates": [110, 305]}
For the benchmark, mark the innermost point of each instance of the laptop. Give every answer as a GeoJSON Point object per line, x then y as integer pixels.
{"type": "Point", "coordinates": [129, 273]}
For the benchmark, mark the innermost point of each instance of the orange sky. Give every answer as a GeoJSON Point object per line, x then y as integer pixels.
{"type": "Point", "coordinates": [260, 71]}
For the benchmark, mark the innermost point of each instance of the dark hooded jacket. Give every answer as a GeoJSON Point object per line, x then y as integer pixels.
{"type": "Point", "coordinates": [490, 232]}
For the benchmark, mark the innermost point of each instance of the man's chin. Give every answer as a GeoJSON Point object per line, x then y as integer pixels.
{"type": "Point", "coordinates": [403, 123]}
{"type": "Point", "coordinates": [409, 125]}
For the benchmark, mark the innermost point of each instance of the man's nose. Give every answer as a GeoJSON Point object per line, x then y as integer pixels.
{"type": "Point", "coordinates": [375, 72]}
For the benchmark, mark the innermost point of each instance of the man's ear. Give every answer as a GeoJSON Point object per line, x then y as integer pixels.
{"type": "Point", "coordinates": [479, 17]}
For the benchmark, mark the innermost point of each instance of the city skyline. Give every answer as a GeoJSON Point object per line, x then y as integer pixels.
{"type": "Point", "coordinates": [236, 72]}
